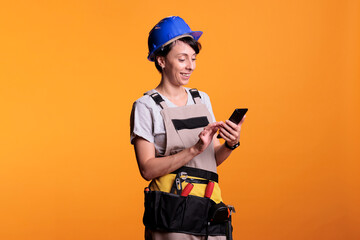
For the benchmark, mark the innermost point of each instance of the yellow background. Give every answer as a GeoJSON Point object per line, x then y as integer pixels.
{"type": "Point", "coordinates": [70, 71]}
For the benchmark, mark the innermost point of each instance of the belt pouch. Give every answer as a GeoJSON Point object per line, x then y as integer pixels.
{"type": "Point", "coordinates": [219, 213]}
{"type": "Point", "coordinates": [175, 213]}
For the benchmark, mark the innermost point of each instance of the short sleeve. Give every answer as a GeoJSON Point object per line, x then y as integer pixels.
{"type": "Point", "coordinates": [141, 123]}
{"type": "Point", "coordinates": [207, 102]}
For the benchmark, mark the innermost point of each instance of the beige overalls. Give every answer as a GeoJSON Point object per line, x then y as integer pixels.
{"type": "Point", "coordinates": [169, 215]}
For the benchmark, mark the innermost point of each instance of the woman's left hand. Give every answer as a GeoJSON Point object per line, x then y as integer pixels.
{"type": "Point", "coordinates": [230, 131]}
{"type": "Point", "coordinates": [206, 136]}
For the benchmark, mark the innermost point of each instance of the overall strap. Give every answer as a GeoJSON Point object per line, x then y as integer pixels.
{"type": "Point", "coordinates": [195, 95]}
{"type": "Point", "coordinates": [159, 100]}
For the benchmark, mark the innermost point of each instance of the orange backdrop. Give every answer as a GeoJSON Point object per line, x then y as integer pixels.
{"type": "Point", "coordinates": [70, 71]}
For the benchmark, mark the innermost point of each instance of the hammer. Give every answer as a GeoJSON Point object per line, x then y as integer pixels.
{"type": "Point", "coordinates": [231, 209]}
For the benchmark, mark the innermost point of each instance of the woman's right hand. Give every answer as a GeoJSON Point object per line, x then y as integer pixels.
{"type": "Point", "coordinates": [206, 136]}
{"type": "Point", "coordinates": [152, 167]}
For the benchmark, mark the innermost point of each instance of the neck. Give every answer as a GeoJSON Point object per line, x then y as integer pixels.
{"type": "Point", "coordinates": [170, 90]}
{"type": "Point", "coordinates": [176, 94]}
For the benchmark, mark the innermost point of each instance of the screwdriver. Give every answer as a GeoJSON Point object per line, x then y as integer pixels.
{"type": "Point", "coordinates": [209, 189]}
{"type": "Point", "coordinates": [187, 190]}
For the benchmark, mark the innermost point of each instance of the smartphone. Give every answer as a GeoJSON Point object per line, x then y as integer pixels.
{"type": "Point", "coordinates": [236, 116]}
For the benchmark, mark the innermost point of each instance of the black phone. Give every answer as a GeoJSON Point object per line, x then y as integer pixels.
{"type": "Point", "coordinates": [236, 116]}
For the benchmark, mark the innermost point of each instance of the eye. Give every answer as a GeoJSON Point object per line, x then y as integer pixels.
{"type": "Point", "coordinates": [181, 60]}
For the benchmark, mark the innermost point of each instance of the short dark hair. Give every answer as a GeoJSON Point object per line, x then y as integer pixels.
{"type": "Point", "coordinates": [163, 51]}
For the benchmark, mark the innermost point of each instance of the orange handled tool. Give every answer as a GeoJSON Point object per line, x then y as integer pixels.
{"type": "Point", "coordinates": [209, 189]}
{"type": "Point", "coordinates": [187, 190]}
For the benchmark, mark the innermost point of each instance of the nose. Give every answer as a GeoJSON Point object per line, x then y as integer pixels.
{"type": "Point", "coordinates": [190, 65]}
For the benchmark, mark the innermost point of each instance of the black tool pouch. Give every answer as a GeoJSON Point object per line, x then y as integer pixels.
{"type": "Point", "coordinates": [219, 213]}
{"type": "Point", "coordinates": [175, 213]}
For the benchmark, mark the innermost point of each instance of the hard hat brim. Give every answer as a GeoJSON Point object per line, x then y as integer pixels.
{"type": "Point", "coordinates": [194, 34]}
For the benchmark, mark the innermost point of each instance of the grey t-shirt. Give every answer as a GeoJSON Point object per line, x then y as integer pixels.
{"type": "Point", "coordinates": [147, 122]}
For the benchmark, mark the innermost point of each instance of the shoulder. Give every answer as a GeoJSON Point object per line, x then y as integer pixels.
{"type": "Point", "coordinates": [146, 101]}
{"type": "Point", "coordinates": [204, 96]}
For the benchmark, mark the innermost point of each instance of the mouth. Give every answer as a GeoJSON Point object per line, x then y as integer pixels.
{"type": "Point", "coordinates": [186, 74]}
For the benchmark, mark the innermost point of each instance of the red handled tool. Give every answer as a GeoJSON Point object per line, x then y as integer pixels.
{"type": "Point", "coordinates": [209, 189]}
{"type": "Point", "coordinates": [187, 189]}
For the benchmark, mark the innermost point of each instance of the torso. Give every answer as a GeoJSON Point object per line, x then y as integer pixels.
{"type": "Point", "coordinates": [149, 108]}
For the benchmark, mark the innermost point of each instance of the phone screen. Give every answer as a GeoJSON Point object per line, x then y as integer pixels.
{"type": "Point", "coordinates": [237, 115]}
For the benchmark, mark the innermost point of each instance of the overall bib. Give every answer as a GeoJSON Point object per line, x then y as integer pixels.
{"type": "Point", "coordinates": [166, 209]}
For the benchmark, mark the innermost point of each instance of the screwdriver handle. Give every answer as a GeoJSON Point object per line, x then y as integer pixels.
{"type": "Point", "coordinates": [187, 190]}
{"type": "Point", "coordinates": [209, 189]}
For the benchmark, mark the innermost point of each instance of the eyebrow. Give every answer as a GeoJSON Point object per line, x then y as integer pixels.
{"type": "Point", "coordinates": [180, 54]}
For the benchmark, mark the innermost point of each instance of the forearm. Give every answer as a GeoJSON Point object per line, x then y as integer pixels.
{"type": "Point", "coordinates": [230, 132]}
{"type": "Point", "coordinates": [160, 166]}
{"type": "Point", "coordinates": [221, 153]}
{"type": "Point", "coordinates": [152, 167]}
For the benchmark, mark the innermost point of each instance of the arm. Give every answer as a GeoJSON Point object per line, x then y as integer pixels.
{"type": "Point", "coordinates": [152, 167]}
{"type": "Point", "coordinates": [231, 135]}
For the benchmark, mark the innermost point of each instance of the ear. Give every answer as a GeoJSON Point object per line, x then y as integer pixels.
{"type": "Point", "coordinates": [161, 61]}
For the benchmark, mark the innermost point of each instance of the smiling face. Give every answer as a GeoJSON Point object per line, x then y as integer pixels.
{"type": "Point", "coordinates": [178, 64]}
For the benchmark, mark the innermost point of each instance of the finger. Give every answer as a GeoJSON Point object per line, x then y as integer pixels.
{"type": "Point", "coordinates": [214, 131]}
{"type": "Point", "coordinates": [211, 126]}
{"type": "Point", "coordinates": [232, 129]}
{"type": "Point", "coordinates": [209, 130]}
{"type": "Point", "coordinates": [230, 136]}
{"type": "Point", "coordinates": [231, 124]}
{"type": "Point", "coordinates": [234, 126]}
{"type": "Point", "coordinates": [203, 132]}
{"type": "Point", "coordinates": [219, 123]}
{"type": "Point", "coordinates": [216, 124]}
{"type": "Point", "coordinates": [224, 136]}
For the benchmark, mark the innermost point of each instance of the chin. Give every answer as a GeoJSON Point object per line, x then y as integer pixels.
{"type": "Point", "coordinates": [184, 83]}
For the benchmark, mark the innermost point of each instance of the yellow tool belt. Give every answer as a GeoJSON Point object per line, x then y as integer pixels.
{"type": "Point", "coordinates": [173, 207]}
{"type": "Point", "coordinates": [176, 181]}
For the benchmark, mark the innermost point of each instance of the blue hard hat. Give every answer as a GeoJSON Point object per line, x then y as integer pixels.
{"type": "Point", "coordinates": [167, 30]}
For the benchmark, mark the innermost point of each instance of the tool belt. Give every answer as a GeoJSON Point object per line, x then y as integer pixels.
{"type": "Point", "coordinates": [179, 179]}
{"type": "Point", "coordinates": [179, 211]}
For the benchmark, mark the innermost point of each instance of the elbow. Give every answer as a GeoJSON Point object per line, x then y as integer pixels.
{"type": "Point", "coordinates": [146, 177]}
{"type": "Point", "coordinates": [146, 174]}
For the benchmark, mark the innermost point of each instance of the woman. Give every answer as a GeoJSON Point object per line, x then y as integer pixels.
{"type": "Point", "coordinates": [173, 132]}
